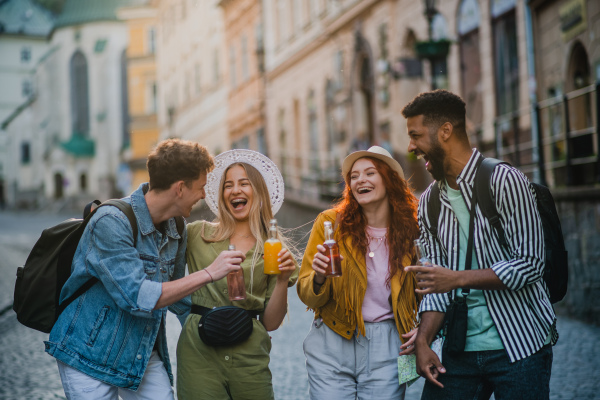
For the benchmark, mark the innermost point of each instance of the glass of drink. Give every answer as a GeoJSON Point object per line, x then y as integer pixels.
{"type": "Point", "coordinates": [236, 287]}
{"type": "Point", "coordinates": [334, 267]}
{"type": "Point", "coordinates": [422, 258]}
{"type": "Point", "coordinates": [271, 250]}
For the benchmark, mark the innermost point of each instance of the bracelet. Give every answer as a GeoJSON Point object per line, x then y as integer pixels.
{"type": "Point", "coordinates": [211, 278]}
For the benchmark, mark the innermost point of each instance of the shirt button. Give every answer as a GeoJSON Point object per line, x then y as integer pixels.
{"type": "Point", "coordinates": [148, 328]}
{"type": "Point", "coordinates": [163, 269]}
{"type": "Point", "coordinates": [333, 323]}
{"type": "Point", "coordinates": [225, 291]}
{"type": "Point", "coordinates": [226, 358]}
{"type": "Point", "coordinates": [347, 332]}
{"type": "Point", "coordinates": [139, 356]}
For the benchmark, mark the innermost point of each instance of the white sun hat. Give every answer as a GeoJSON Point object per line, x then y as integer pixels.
{"type": "Point", "coordinates": [262, 163]}
{"type": "Point", "coordinates": [376, 152]}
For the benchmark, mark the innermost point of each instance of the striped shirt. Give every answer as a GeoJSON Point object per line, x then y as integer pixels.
{"type": "Point", "coordinates": [522, 314]}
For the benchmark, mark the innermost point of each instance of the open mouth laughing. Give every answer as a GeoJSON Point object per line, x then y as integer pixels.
{"type": "Point", "coordinates": [238, 203]}
{"type": "Point", "coordinates": [364, 190]}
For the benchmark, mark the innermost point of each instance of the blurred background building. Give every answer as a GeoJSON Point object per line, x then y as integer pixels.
{"type": "Point", "coordinates": [89, 87]}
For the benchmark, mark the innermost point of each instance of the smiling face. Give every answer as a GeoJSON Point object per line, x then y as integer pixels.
{"type": "Point", "coordinates": [192, 194]}
{"type": "Point", "coordinates": [366, 183]}
{"type": "Point", "coordinates": [424, 144]}
{"type": "Point", "coordinates": [238, 193]}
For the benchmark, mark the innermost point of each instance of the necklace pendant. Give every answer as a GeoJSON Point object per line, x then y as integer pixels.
{"type": "Point", "coordinates": [371, 254]}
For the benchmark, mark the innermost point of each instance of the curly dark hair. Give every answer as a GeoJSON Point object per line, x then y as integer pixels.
{"type": "Point", "coordinates": [177, 160]}
{"type": "Point", "coordinates": [437, 107]}
{"type": "Point", "coordinates": [403, 227]}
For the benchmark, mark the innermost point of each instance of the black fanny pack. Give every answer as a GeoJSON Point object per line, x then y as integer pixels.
{"type": "Point", "coordinates": [224, 326]}
{"type": "Point", "coordinates": [455, 325]}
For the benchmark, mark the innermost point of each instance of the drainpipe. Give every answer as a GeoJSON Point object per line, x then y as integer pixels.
{"type": "Point", "coordinates": [536, 138]}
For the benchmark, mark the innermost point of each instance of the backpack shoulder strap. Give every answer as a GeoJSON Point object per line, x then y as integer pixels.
{"type": "Point", "coordinates": [483, 189]}
{"type": "Point", "coordinates": [180, 223]}
{"type": "Point", "coordinates": [126, 209]}
{"type": "Point", "coordinates": [434, 207]}
{"type": "Point", "coordinates": [87, 215]}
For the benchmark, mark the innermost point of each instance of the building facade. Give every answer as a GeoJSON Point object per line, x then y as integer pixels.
{"type": "Point", "coordinates": [192, 89]}
{"type": "Point", "coordinates": [244, 45]}
{"type": "Point", "coordinates": [24, 45]}
{"type": "Point", "coordinates": [142, 88]}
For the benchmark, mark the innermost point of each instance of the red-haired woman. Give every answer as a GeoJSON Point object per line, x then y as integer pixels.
{"type": "Point", "coordinates": [364, 318]}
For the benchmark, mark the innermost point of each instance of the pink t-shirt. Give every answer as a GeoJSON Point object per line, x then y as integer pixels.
{"type": "Point", "coordinates": [376, 305]}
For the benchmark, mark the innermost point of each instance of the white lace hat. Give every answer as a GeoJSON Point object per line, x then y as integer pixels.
{"type": "Point", "coordinates": [262, 163]}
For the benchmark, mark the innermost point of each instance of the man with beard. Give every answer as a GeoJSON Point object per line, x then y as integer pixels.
{"type": "Point", "coordinates": [509, 321]}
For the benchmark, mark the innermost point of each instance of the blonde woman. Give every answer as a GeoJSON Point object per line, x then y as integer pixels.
{"type": "Point", "coordinates": [244, 190]}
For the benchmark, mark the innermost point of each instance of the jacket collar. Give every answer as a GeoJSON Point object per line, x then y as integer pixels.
{"type": "Point", "coordinates": [144, 219]}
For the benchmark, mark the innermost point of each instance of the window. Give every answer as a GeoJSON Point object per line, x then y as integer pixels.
{"type": "Point", "coordinates": [26, 88]}
{"type": "Point", "coordinates": [83, 182]}
{"type": "Point", "coordinates": [152, 40]}
{"type": "Point", "coordinates": [232, 66]}
{"type": "Point", "coordinates": [152, 105]}
{"type": "Point", "coordinates": [25, 153]}
{"type": "Point", "coordinates": [313, 129]}
{"type": "Point", "coordinates": [198, 82]}
{"type": "Point", "coordinates": [25, 54]}
{"type": "Point", "coordinates": [245, 73]}
{"type": "Point", "coordinates": [506, 63]}
{"type": "Point", "coordinates": [216, 66]}
{"type": "Point", "coordinates": [470, 67]}
{"type": "Point", "coordinates": [339, 69]}
{"type": "Point", "coordinates": [79, 94]}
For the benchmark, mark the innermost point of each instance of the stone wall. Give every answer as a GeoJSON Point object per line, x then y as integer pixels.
{"type": "Point", "coordinates": [579, 211]}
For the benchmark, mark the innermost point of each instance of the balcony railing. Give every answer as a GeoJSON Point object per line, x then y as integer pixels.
{"type": "Point", "coordinates": [564, 149]}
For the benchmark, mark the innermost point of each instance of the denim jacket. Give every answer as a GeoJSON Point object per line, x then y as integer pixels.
{"type": "Point", "coordinates": [109, 332]}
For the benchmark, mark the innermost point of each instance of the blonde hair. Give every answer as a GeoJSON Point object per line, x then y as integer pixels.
{"type": "Point", "coordinates": [260, 215]}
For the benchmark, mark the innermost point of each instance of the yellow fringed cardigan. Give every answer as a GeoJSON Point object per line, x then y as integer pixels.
{"type": "Point", "coordinates": [339, 301]}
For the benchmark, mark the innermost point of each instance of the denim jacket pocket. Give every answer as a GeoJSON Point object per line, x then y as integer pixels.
{"type": "Point", "coordinates": [171, 268]}
{"type": "Point", "coordinates": [98, 325]}
{"type": "Point", "coordinates": [150, 265]}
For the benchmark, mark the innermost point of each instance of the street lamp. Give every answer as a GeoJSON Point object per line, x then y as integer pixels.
{"type": "Point", "coordinates": [435, 51]}
{"type": "Point", "coordinates": [430, 13]}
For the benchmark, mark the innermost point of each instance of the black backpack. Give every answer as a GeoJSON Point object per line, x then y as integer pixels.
{"type": "Point", "coordinates": [48, 266]}
{"type": "Point", "coordinates": [556, 269]}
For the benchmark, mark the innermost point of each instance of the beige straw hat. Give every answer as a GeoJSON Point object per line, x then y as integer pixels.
{"type": "Point", "coordinates": [376, 152]}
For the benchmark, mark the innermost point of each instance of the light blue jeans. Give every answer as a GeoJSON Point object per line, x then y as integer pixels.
{"type": "Point", "coordinates": [155, 384]}
{"type": "Point", "coordinates": [359, 368]}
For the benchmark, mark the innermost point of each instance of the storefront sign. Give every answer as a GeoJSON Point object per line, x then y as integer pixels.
{"type": "Point", "coordinates": [572, 19]}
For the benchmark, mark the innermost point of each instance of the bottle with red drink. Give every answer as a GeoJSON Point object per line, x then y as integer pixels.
{"type": "Point", "coordinates": [334, 267]}
{"type": "Point", "coordinates": [236, 287]}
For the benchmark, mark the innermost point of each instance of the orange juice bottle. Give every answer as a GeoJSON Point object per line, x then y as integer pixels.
{"type": "Point", "coordinates": [272, 248]}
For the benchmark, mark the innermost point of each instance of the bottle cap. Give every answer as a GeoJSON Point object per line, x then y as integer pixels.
{"type": "Point", "coordinates": [232, 247]}
{"type": "Point", "coordinates": [327, 223]}
{"type": "Point", "coordinates": [273, 221]}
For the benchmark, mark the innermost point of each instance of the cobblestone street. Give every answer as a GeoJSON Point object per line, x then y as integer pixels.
{"type": "Point", "coordinates": [26, 372]}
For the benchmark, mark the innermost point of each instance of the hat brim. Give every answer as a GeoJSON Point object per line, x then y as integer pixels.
{"type": "Point", "coordinates": [352, 157]}
{"type": "Point", "coordinates": [262, 163]}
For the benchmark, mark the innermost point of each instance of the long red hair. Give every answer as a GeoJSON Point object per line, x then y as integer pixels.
{"type": "Point", "coordinates": [403, 227]}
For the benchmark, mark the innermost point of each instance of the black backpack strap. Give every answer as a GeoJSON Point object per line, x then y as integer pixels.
{"type": "Point", "coordinates": [180, 223]}
{"type": "Point", "coordinates": [434, 207]}
{"type": "Point", "coordinates": [483, 189]}
{"type": "Point", "coordinates": [87, 215]}
{"type": "Point", "coordinates": [88, 207]}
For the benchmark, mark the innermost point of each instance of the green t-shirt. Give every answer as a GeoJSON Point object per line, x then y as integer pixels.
{"type": "Point", "coordinates": [481, 331]}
